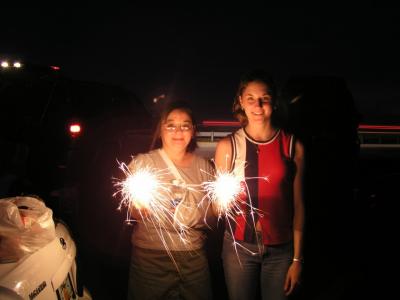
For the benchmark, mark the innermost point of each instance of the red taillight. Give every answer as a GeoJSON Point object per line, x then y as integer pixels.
{"type": "Point", "coordinates": [75, 129]}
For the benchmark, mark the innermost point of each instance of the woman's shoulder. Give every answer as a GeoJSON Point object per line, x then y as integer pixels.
{"type": "Point", "coordinates": [293, 145]}
{"type": "Point", "coordinates": [145, 159]}
{"type": "Point", "coordinates": [284, 132]}
{"type": "Point", "coordinates": [145, 156]}
{"type": "Point", "coordinates": [227, 140]}
{"type": "Point", "coordinates": [224, 141]}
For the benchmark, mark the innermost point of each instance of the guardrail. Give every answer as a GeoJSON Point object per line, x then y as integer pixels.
{"type": "Point", "coordinates": [369, 135]}
{"type": "Point", "coordinates": [379, 136]}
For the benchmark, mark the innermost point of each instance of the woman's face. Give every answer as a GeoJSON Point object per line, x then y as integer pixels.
{"type": "Point", "coordinates": [177, 130]}
{"type": "Point", "coordinates": [256, 102]}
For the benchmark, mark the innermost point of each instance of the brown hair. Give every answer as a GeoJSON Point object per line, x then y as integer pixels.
{"type": "Point", "coordinates": [178, 105]}
{"type": "Point", "coordinates": [249, 77]}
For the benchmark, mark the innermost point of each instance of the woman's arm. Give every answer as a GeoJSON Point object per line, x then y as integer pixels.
{"type": "Point", "coordinates": [293, 276]}
{"type": "Point", "coordinates": [223, 155]}
{"type": "Point", "coordinates": [299, 214]}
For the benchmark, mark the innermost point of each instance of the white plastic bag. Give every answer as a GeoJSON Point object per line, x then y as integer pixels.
{"type": "Point", "coordinates": [26, 225]}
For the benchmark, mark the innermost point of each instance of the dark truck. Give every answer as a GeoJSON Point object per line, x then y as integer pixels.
{"type": "Point", "coordinates": [60, 139]}
{"type": "Point", "coordinates": [52, 128]}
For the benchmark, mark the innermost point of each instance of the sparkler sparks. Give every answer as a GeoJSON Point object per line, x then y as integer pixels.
{"type": "Point", "coordinates": [141, 188]}
{"type": "Point", "coordinates": [229, 196]}
{"type": "Point", "coordinates": [228, 192]}
{"type": "Point", "coordinates": [224, 193]}
{"type": "Point", "coordinates": [146, 191]}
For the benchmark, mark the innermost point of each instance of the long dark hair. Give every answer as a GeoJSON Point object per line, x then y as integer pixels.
{"type": "Point", "coordinates": [177, 105]}
{"type": "Point", "coordinates": [247, 78]}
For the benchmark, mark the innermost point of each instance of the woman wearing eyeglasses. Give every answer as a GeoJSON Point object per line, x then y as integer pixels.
{"type": "Point", "coordinates": [168, 259]}
{"type": "Point", "coordinates": [262, 250]}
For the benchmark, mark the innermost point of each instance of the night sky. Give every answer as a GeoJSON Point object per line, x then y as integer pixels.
{"type": "Point", "coordinates": [198, 54]}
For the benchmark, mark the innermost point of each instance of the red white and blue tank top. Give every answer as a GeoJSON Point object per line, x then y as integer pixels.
{"type": "Point", "coordinates": [268, 169]}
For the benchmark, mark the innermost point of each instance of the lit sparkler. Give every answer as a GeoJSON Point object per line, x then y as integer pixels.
{"type": "Point", "coordinates": [228, 192]}
{"type": "Point", "coordinates": [229, 196]}
{"type": "Point", "coordinates": [142, 188]}
{"type": "Point", "coordinates": [145, 189]}
{"type": "Point", "coordinates": [224, 193]}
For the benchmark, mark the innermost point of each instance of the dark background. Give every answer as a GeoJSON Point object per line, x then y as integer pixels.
{"type": "Point", "coordinates": [198, 54]}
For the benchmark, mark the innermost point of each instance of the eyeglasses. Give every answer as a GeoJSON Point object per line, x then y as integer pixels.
{"type": "Point", "coordinates": [174, 127]}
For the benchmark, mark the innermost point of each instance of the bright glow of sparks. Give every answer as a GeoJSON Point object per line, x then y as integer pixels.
{"type": "Point", "coordinates": [140, 188]}
{"type": "Point", "coordinates": [229, 196]}
{"type": "Point", "coordinates": [224, 192]}
{"type": "Point", "coordinates": [145, 190]}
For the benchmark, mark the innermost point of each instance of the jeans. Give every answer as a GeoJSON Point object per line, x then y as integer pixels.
{"type": "Point", "coordinates": [153, 275]}
{"type": "Point", "coordinates": [251, 270]}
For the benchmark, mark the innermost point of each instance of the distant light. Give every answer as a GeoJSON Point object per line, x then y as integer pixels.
{"type": "Point", "coordinates": [158, 98]}
{"type": "Point", "coordinates": [17, 64]}
{"type": "Point", "coordinates": [56, 68]}
{"type": "Point", "coordinates": [5, 64]}
{"type": "Point", "coordinates": [75, 129]}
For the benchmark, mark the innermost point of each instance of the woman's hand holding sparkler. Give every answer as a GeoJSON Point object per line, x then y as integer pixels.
{"type": "Point", "coordinates": [226, 193]}
{"type": "Point", "coordinates": [140, 191]}
{"type": "Point", "coordinates": [139, 213]}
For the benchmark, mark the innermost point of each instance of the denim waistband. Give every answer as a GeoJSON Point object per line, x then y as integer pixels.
{"type": "Point", "coordinates": [259, 238]}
